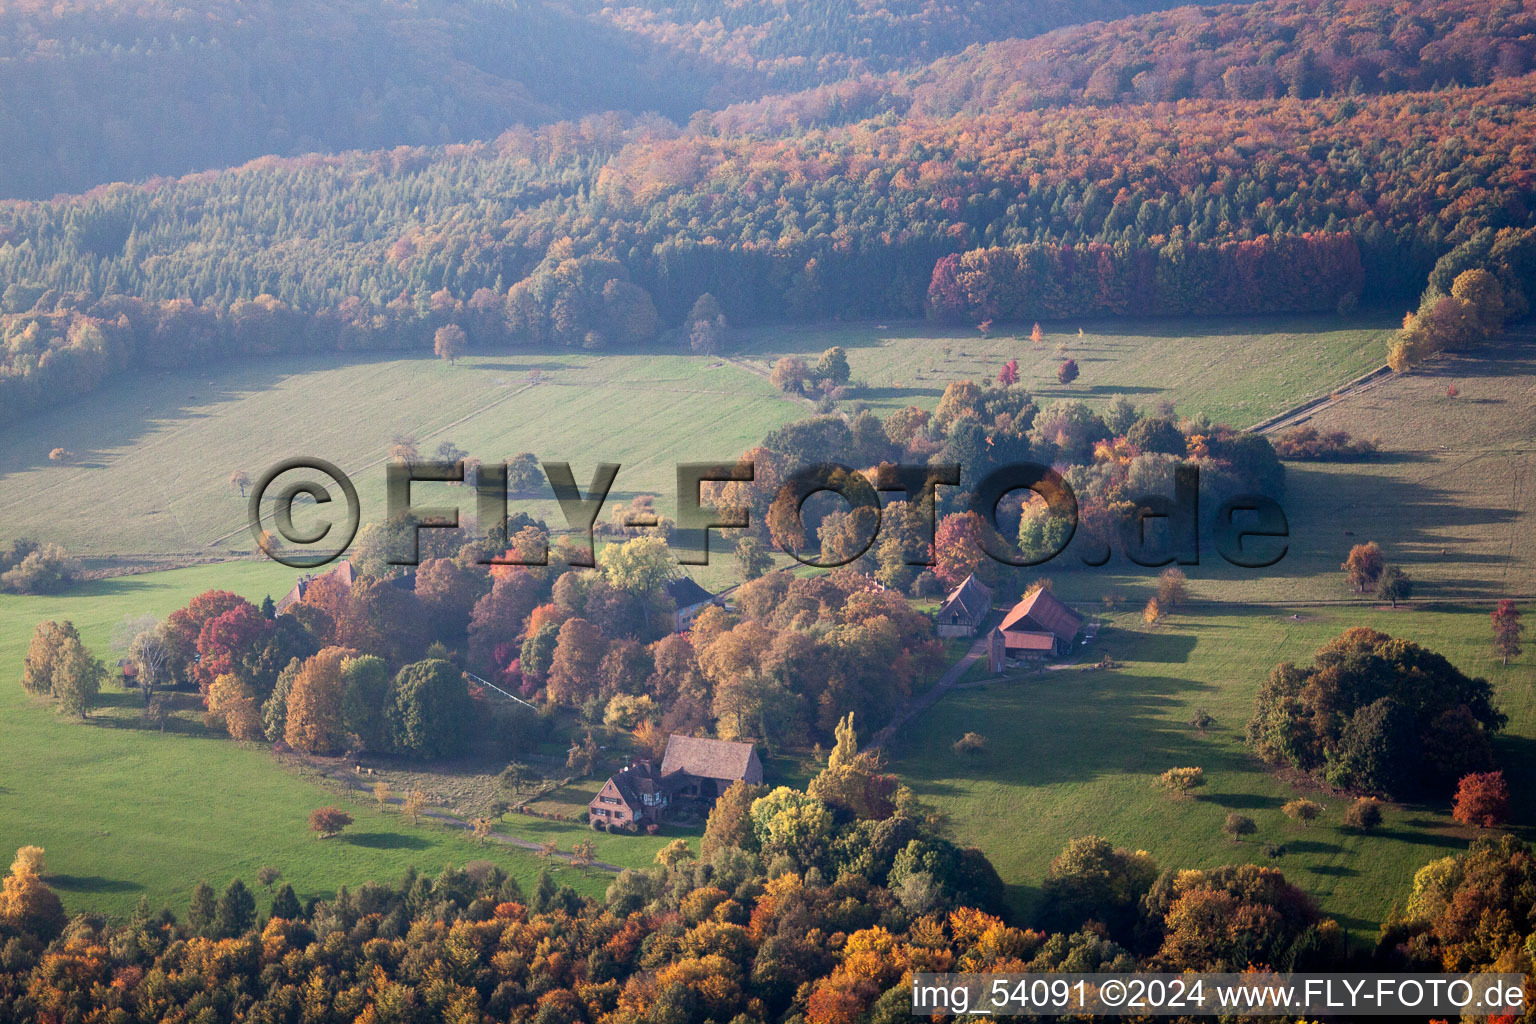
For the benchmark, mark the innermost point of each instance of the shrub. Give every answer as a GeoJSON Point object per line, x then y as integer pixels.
{"type": "Point", "coordinates": [1364, 814]}
{"type": "Point", "coordinates": [1306, 443]}
{"type": "Point", "coordinates": [1182, 780]}
{"type": "Point", "coordinates": [46, 570]}
{"type": "Point", "coordinates": [1303, 810]}
{"type": "Point", "coordinates": [970, 743]}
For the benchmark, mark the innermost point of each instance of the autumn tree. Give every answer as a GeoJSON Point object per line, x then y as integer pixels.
{"type": "Point", "coordinates": [449, 343]}
{"type": "Point", "coordinates": [328, 821]}
{"type": "Point", "coordinates": [1182, 781]}
{"type": "Point", "coordinates": [1506, 630]}
{"type": "Point", "coordinates": [239, 480]}
{"type": "Point", "coordinates": [577, 658]}
{"type": "Point", "coordinates": [957, 549]}
{"type": "Point", "coordinates": [413, 804]}
{"type": "Point", "coordinates": [789, 374]}
{"type": "Point", "coordinates": [43, 655]}
{"type": "Point", "coordinates": [1364, 565]}
{"type": "Point", "coordinates": [314, 721]}
{"type": "Point", "coordinates": [77, 678]}
{"type": "Point", "coordinates": [232, 707]}
{"type": "Point", "coordinates": [1482, 800]}
{"type": "Point", "coordinates": [1008, 376]}
{"type": "Point", "coordinates": [1172, 588]}
{"type": "Point", "coordinates": [1153, 613]}
{"type": "Point", "coordinates": [1302, 810]}
{"type": "Point", "coordinates": [1238, 825]}
{"type": "Point", "coordinates": [730, 820]}
{"type": "Point", "coordinates": [27, 905]}
{"type": "Point", "coordinates": [1067, 372]}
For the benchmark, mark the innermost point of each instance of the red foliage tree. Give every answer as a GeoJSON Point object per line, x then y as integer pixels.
{"type": "Point", "coordinates": [226, 639]}
{"type": "Point", "coordinates": [1482, 799]}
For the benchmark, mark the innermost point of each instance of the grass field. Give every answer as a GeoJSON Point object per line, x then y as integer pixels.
{"type": "Point", "coordinates": [1076, 751]}
{"type": "Point", "coordinates": [153, 456]}
{"type": "Point", "coordinates": [125, 812]}
{"type": "Point", "coordinates": [1236, 371]}
{"type": "Point", "coordinates": [1449, 498]}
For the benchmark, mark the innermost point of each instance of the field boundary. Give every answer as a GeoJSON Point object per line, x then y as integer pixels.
{"type": "Point", "coordinates": [1301, 413]}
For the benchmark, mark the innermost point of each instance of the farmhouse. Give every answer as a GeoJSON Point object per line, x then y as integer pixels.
{"type": "Point", "coordinates": [1038, 627]}
{"type": "Point", "coordinates": [690, 599]}
{"type": "Point", "coordinates": [965, 609]}
{"type": "Point", "coordinates": [635, 796]}
{"type": "Point", "coordinates": [343, 574]}
{"type": "Point", "coordinates": [692, 768]}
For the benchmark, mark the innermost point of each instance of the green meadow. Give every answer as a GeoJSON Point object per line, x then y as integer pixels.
{"type": "Point", "coordinates": [1237, 371]}
{"type": "Point", "coordinates": [125, 811]}
{"type": "Point", "coordinates": [1077, 750]}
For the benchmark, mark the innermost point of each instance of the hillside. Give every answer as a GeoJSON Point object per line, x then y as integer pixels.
{"type": "Point", "coordinates": [584, 237]}
{"type": "Point", "coordinates": [1272, 48]}
{"type": "Point", "coordinates": [93, 93]}
{"type": "Point", "coordinates": [753, 46]}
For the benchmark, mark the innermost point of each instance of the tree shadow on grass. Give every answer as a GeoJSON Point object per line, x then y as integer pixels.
{"type": "Point", "coordinates": [1446, 842]}
{"type": "Point", "coordinates": [92, 884]}
{"type": "Point", "coordinates": [384, 841]}
{"type": "Point", "coordinates": [1310, 846]}
{"type": "Point", "coordinates": [1243, 801]}
{"type": "Point", "coordinates": [1334, 870]}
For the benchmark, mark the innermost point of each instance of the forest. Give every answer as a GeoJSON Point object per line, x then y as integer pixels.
{"type": "Point", "coordinates": [245, 261]}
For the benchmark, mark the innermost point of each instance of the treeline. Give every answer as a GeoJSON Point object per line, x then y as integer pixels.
{"type": "Point", "coordinates": [521, 238]}
{"type": "Point", "coordinates": [1263, 50]}
{"type": "Point", "coordinates": [91, 93]}
{"type": "Point", "coordinates": [796, 909]}
{"type": "Point", "coordinates": [1286, 274]}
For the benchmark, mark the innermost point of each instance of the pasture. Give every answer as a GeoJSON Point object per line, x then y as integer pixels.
{"type": "Point", "coordinates": [153, 456]}
{"type": "Point", "coordinates": [1077, 750]}
{"type": "Point", "coordinates": [125, 811]}
{"type": "Point", "coordinates": [1238, 370]}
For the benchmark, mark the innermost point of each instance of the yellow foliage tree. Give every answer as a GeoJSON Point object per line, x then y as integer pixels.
{"type": "Point", "coordinates": [315, 722]}
{"type": "Point", "coordinates": [232, 707]}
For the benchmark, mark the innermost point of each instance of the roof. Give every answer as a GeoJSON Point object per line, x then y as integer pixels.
{"type": "Point", "coordinates": [633, 781]}
{"type": "Point", "coordinates": [706, 759]}
{"type": "Point", "coordinates": [1042, 611]}
{"type": "Point", "coordinates": [685, 593]}
{"type": "Point", "coordinates": [343, 574]}
{"type": "Point", "coordinates": [1020, 641]}
{"type": "Point", "coordinates": [973, 598]}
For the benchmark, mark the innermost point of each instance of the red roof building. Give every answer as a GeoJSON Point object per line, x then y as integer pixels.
{"type": "Point", "coordinates": [1039, 626]}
